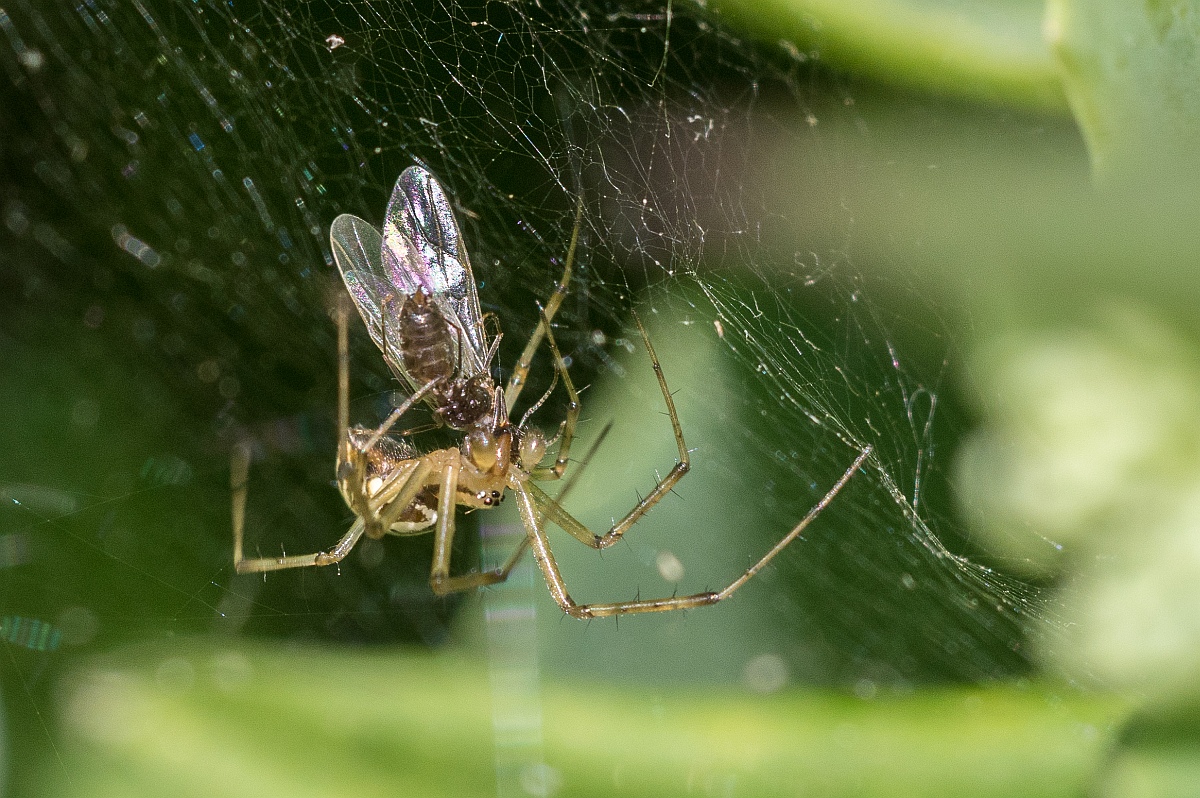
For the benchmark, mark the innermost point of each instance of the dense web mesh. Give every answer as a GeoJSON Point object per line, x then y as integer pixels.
{"type": "Point", "coordinates": [170, 173]}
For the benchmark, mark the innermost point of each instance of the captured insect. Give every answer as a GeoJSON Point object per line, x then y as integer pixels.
{"type": "Point", "coordinates": [413, 287]}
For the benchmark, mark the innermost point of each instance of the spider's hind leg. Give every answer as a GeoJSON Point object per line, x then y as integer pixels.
{"type": "Point", "coordinates": [533, 507]}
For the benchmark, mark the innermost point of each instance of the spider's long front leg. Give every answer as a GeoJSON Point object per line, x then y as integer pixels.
{"type": "Point", "coordinates": [532, 508]}
{"type": "Point", "coordinates": [516, 382]}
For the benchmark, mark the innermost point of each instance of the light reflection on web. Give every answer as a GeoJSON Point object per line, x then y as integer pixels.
{"type": "Point", "coordinates": [514, 675]}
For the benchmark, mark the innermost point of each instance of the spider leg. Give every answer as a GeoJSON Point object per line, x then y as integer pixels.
{"type": "Point", "coordinates": [552, 510]}
{"type": "Point", "coordinates": [239, 474]}
{"type": "Point", "coordinates": [531, 508]}
{"type": "Point", "coordinates": [558, 587]}
{"type": "Point", "coordinates": [375, 512]}
{"type": "Point", "coordinates": [388, 502]}
{"type": "Point", "coordinates": [439, 575]}
{"type": "Point", "coordinates": [239, 477]}
{"type": "Point", "coordinates": [568, 428]}
{"type": "Point", "coordinates": [562, 494]}
{"type": "Point", "coordinates": [798, 528]}
{"type": "Point", "coordinates": [513, 559]}
{"type": "Point", "coordinates": [516, 382]}
{"type": "Point", "coordinates": [667, 483]}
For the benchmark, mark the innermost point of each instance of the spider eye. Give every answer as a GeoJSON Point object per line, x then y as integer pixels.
{"type": "Point", "coordinates": [533, 448]}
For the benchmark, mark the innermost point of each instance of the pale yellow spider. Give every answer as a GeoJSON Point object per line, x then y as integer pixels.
{"type": "Point", "coordinates": [414, 288]}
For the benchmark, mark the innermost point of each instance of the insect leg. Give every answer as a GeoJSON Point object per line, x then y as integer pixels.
{"type": "Point", "coordinates": [394, 416]}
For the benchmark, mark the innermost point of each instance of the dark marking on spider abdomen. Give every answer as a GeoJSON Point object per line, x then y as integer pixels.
{"type": "Point", "coordinates": [426, 341]}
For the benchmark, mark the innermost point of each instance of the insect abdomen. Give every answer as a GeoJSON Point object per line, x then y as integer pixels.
{"type": "Point", "coordinates": [425, 341]}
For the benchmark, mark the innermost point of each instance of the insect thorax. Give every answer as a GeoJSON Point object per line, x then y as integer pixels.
{"type": "Point", "coordinates": [463, 403]}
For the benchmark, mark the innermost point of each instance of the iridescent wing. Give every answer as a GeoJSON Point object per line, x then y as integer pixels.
{"type": "Point", "coordinates": [422, 247]}
{"type": "Point", "coordinates": [358, 252]}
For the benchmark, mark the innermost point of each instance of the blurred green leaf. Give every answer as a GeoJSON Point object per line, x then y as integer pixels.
{"type": "Point", "coordinates": [205, 719]}
{"type": "Point", "coordinates": [1087, 471]}
{"type": "Point", "coordinates": [1088, 427]}
{"type": "Point", "coordinates": [1157, 754]}
{"type": "Point", "coordinates": [991, 51]}
{"type": "Point", "coordinates": [1130, 71]}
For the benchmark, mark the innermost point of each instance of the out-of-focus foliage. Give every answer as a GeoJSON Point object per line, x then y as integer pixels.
{"type": "Point", "coordinates": [1077, 289]}
{"type": "Point", "coordinates": [1059, 250]}
{"type": "Point", "coordinates": [194, 720]}
{"type": "Point", "coordinates": [1093, 446]}
{"type": "Point", "coordinates": [1129, 70]}
{"type": "Point", "coordinates": [988, 51]}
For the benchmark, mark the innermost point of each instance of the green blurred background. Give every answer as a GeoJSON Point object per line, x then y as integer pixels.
{"type": "Point", "coordinates": [962, 233]}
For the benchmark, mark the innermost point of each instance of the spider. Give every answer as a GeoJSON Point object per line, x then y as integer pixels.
{"type": "Point", "coordinates": [414, 289]}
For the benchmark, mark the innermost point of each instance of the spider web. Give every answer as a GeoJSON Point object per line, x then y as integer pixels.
{"type": "Point", "coordinates": [170, 173]}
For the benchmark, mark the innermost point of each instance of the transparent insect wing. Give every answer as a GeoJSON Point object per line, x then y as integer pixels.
{"type": "Point", "coordinates": [422, 246]}
{"type": "Point", "coordinates": [357, 247]}
{"type": "Point", "coordinates": [357, 250]}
